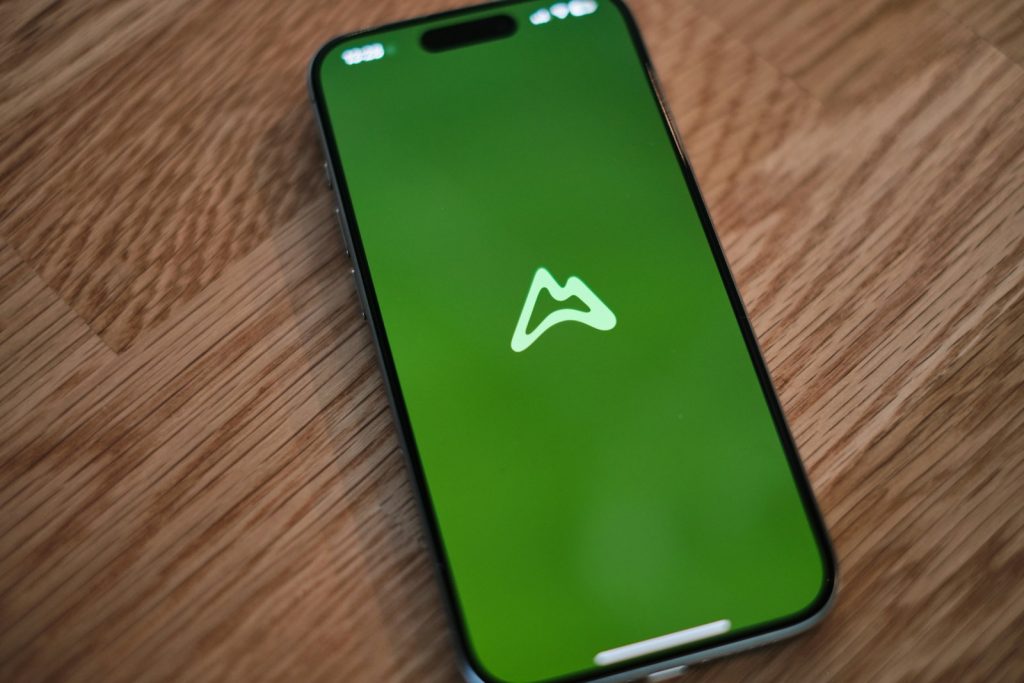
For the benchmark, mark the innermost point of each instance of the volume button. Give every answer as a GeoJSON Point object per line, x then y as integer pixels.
{"type": "Point", "coordinates": [344, 231]}
{"type": "Point", "coordinates": [359, 292]}
{"type": "Point", "coordinates": [327, 176]}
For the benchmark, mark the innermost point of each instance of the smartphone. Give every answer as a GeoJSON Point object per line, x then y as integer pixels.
{"type": "Point", "coordinates": [608, 481]}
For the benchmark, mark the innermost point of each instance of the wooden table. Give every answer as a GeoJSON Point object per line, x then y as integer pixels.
{"type": "Point", "coordinates": [199, 476]}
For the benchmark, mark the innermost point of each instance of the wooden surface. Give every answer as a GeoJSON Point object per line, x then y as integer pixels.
{"type": "Point", "coordinates": [199, 477]}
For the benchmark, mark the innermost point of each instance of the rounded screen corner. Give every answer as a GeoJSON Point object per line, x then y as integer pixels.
{"type": "Point", "coordinates": [316, 61]}
{"type": "Point", "coordinates": [824, 600]}
{"type": "Point", "coordinates": [472, 670]}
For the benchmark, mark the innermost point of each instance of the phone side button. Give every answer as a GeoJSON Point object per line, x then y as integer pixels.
{"type": "Point", "coordinates": [359, 292]}
{"type": "Point", "coordinates": [344, 232]}
{"type": "Point", "coordinates": [327, 176]}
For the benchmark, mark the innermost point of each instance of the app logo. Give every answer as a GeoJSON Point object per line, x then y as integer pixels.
{"type": "Point", "coordinates": [597, 315]}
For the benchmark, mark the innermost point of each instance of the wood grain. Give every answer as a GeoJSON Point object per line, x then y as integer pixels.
{"type": "Point", "coordinates": [199, 477]}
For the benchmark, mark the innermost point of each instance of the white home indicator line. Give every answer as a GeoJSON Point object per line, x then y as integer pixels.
{"type": "Point", "coordinates": [646, 647]}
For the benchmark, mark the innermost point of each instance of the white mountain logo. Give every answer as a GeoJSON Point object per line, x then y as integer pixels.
{"type": "Point", "coordinates": [597, 315]}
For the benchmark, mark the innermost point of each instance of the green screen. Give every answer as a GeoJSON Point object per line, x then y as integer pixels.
{"type": "Point", "coordinates": [604, 468]}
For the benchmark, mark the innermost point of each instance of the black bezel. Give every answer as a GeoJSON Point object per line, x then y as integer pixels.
{"type": "Point", "coordinates": [734, 640]}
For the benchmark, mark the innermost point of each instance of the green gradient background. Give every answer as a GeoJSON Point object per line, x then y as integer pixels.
{"type": "Point", "coordinates": [599, 488]}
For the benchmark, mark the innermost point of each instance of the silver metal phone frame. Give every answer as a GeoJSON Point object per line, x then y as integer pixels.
{"type": "Point", "coordinates": [641, 671]}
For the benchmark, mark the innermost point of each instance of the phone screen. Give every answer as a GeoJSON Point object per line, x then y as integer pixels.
{"type": "Point", "coordinates": [597, 450]}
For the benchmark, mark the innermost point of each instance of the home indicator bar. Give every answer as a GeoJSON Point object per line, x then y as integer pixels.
{"type": "Point", "coordinates": [659, 643]}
